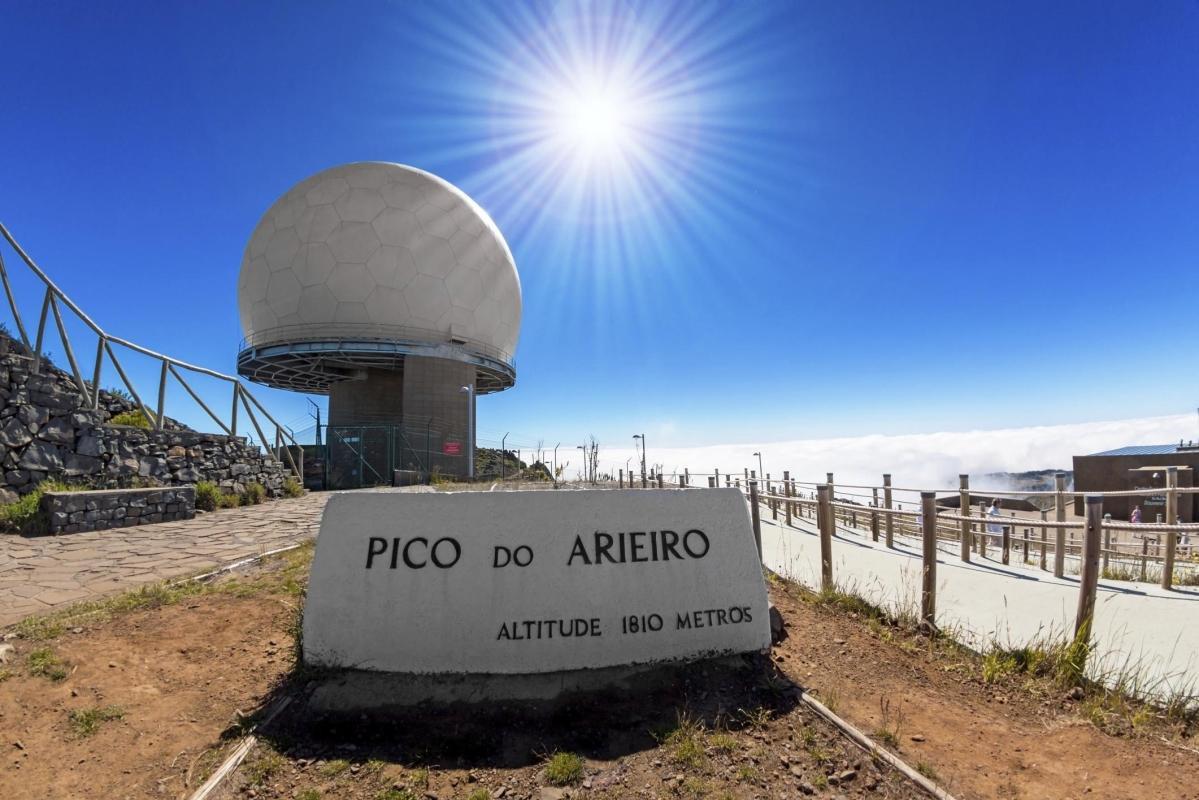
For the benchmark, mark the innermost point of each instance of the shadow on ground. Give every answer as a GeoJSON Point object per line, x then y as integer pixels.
{"type": "Point", "coordinates": [601, 725]}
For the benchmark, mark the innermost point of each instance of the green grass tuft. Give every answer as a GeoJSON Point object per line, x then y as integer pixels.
{"type": "Point", "coordinates": [401, 794]}
{"type": "Point", "coordinates": [86, 721]}
{"type": "Point", "coordinates": [723, 742]}
{"type": "Point", "coordinates": [45, 663]}
{"type": "Point", "coordinates": [263, 767]}
{"type": "Point", "coordinates": [564, 768]}
{"type": "Point", "coordinates": [135, 418]}
{"type": "Point", "coordinates": [255, 494]}
{"type": "Point", "coordinates": [208, 496]}
{"type": "Point", "coordinates": [24, 515]}
{"type": "Point", "coordinates": [331, 769]}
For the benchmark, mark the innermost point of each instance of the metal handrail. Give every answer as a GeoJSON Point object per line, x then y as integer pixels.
{"type": "Point", "coordinates": [170, 366]}
{"type": "Point", "coordinates": [368, 332]}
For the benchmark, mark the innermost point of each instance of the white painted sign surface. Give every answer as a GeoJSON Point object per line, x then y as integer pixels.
{"type": "Point", "coordinates": [530, 582]}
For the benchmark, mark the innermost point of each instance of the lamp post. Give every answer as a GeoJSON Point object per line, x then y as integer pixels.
{"type": "Point", "coordinates": [584, 449]}
{"type": "Point", "coordinates": [469, 391]}
{"type": "Point", "coordinates": [641, 436]}
{"type": "Point", "coordinates": [559, 444]}
{"type": "Point", "coordinates": [761, 471]}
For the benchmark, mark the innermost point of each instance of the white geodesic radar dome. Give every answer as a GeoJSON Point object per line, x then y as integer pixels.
{"type": "Point", "coordinates": [381, 252]}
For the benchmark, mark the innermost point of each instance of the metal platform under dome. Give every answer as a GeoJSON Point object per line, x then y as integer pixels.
{"type": "Point", "coordinates": [312, 361]}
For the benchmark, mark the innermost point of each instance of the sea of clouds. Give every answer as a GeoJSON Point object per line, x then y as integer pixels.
{"type": "Point", "coordinates": [932, 460]}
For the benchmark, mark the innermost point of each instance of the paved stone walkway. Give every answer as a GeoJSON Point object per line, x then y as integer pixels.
{"type": "Point", "coordinates": [42, 573]}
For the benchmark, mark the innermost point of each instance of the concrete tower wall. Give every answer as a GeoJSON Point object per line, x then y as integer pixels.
{"type": "Point", "coordinates": [432, 391]}
{"type": "Point", "coordinates": [416, 418]}
{"type": "Point", "coordinates": [377, 400]}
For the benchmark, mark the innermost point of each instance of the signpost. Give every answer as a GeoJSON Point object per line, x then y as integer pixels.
{"type": "Point", "coordinates": [533, 583]}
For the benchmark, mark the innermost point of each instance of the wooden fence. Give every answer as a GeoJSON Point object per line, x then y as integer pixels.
{"type": "Point", "coordinates": [1046, 543]}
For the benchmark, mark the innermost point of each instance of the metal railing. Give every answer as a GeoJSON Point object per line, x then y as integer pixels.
{"type": "Point", "coordinates": [369, 332]}
{"type": "Point", "coordinates": [55, 300]}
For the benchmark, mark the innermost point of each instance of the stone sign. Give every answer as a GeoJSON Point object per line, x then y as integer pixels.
{"type": "Point", "coordinates": [533, 582]}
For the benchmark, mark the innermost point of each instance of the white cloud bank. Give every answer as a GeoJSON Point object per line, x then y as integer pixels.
{"type": "Point", "coordinates": [931, 460]}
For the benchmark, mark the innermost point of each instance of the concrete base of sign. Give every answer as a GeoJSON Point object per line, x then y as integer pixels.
{"type": "Point", "coordinates": [358, 691]}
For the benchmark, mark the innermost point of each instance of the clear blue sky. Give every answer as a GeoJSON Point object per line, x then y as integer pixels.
{"type": "Point", "coordinates": [842, 212]}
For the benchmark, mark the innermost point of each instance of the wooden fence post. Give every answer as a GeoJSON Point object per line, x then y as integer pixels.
{"type": "Point", "coordinates": [661, 484]}
{"type": "Point", "coordinates": [774, 509]}
{"type": "Point", "coordinates": [964, 509]}
{"type": "Point", "coordinates": [1024, 555]}
{"type": "Point", "coordinates": [712, 484]}
{"type": "Point", "coordinates": [755, 516]}
{"type": "Point", "coordinates": [832, 496]}
{"type": "Point", "coordinates": [983, 529]}
{"type": "Point", "coordinates": [928, 593]}
{"type": "Point", "coordinates": [622, 477]}
{"type": "Point", "coordinates": [716, 477]}
{"type": "Point", "coordinates": [1107, 542]}
{"type": "Point", "coordinates": [1088, 579]}
{"type": "Point", "coordinates": [824, 517]}
{"type": "Point", "coordinates": [888, 523]}
{"type": "Point", "coordinates": [874, 516]}
{"type": "Point", "coordinates": [1171, 519]}
{"type": "Point", "coordinates": [787, 492]}
{"type": "Point", "coordinates": [1044, 536]}
{"type": "Point", "coordinates": [1059, 535]}
{"type": "Point", "coordinates": [1144, 557]}
{"type": "Point", "coordinates": [1008, 532]}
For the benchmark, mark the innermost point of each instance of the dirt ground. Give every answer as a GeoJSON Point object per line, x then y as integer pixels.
{"type": "Point", "coordinates": [1011, 739]}
{"type": "Point", "coordinates": [144, 703]}
{"type": "Point", "coordinates": [178, 675]}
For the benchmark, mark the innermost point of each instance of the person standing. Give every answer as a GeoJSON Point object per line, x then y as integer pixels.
{"type": "Point", "coordinates": [993, 511]}
{"type": "Point", "coordinates": [1135, 517]}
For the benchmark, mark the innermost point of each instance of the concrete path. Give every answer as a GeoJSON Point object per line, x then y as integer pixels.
{"type": "Point", "coordinates": [1139, 628]}
{"type": "Point", "coordinates": [42, 573]}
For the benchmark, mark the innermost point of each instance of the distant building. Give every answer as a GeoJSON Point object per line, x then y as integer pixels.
{"type": "Point", "coordinates": [1007, 502]}
{"type": "Point", "coordinates": [1138, 467]}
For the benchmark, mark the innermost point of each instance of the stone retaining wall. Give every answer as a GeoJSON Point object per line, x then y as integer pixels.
{"type": "Point", "coordinates": [71, 512]}
{"type": "Point", "coordinates": [46, 431]}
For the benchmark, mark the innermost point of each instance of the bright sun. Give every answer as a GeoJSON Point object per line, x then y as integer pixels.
{"type": "Point", "coordinates": [595, 122]}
